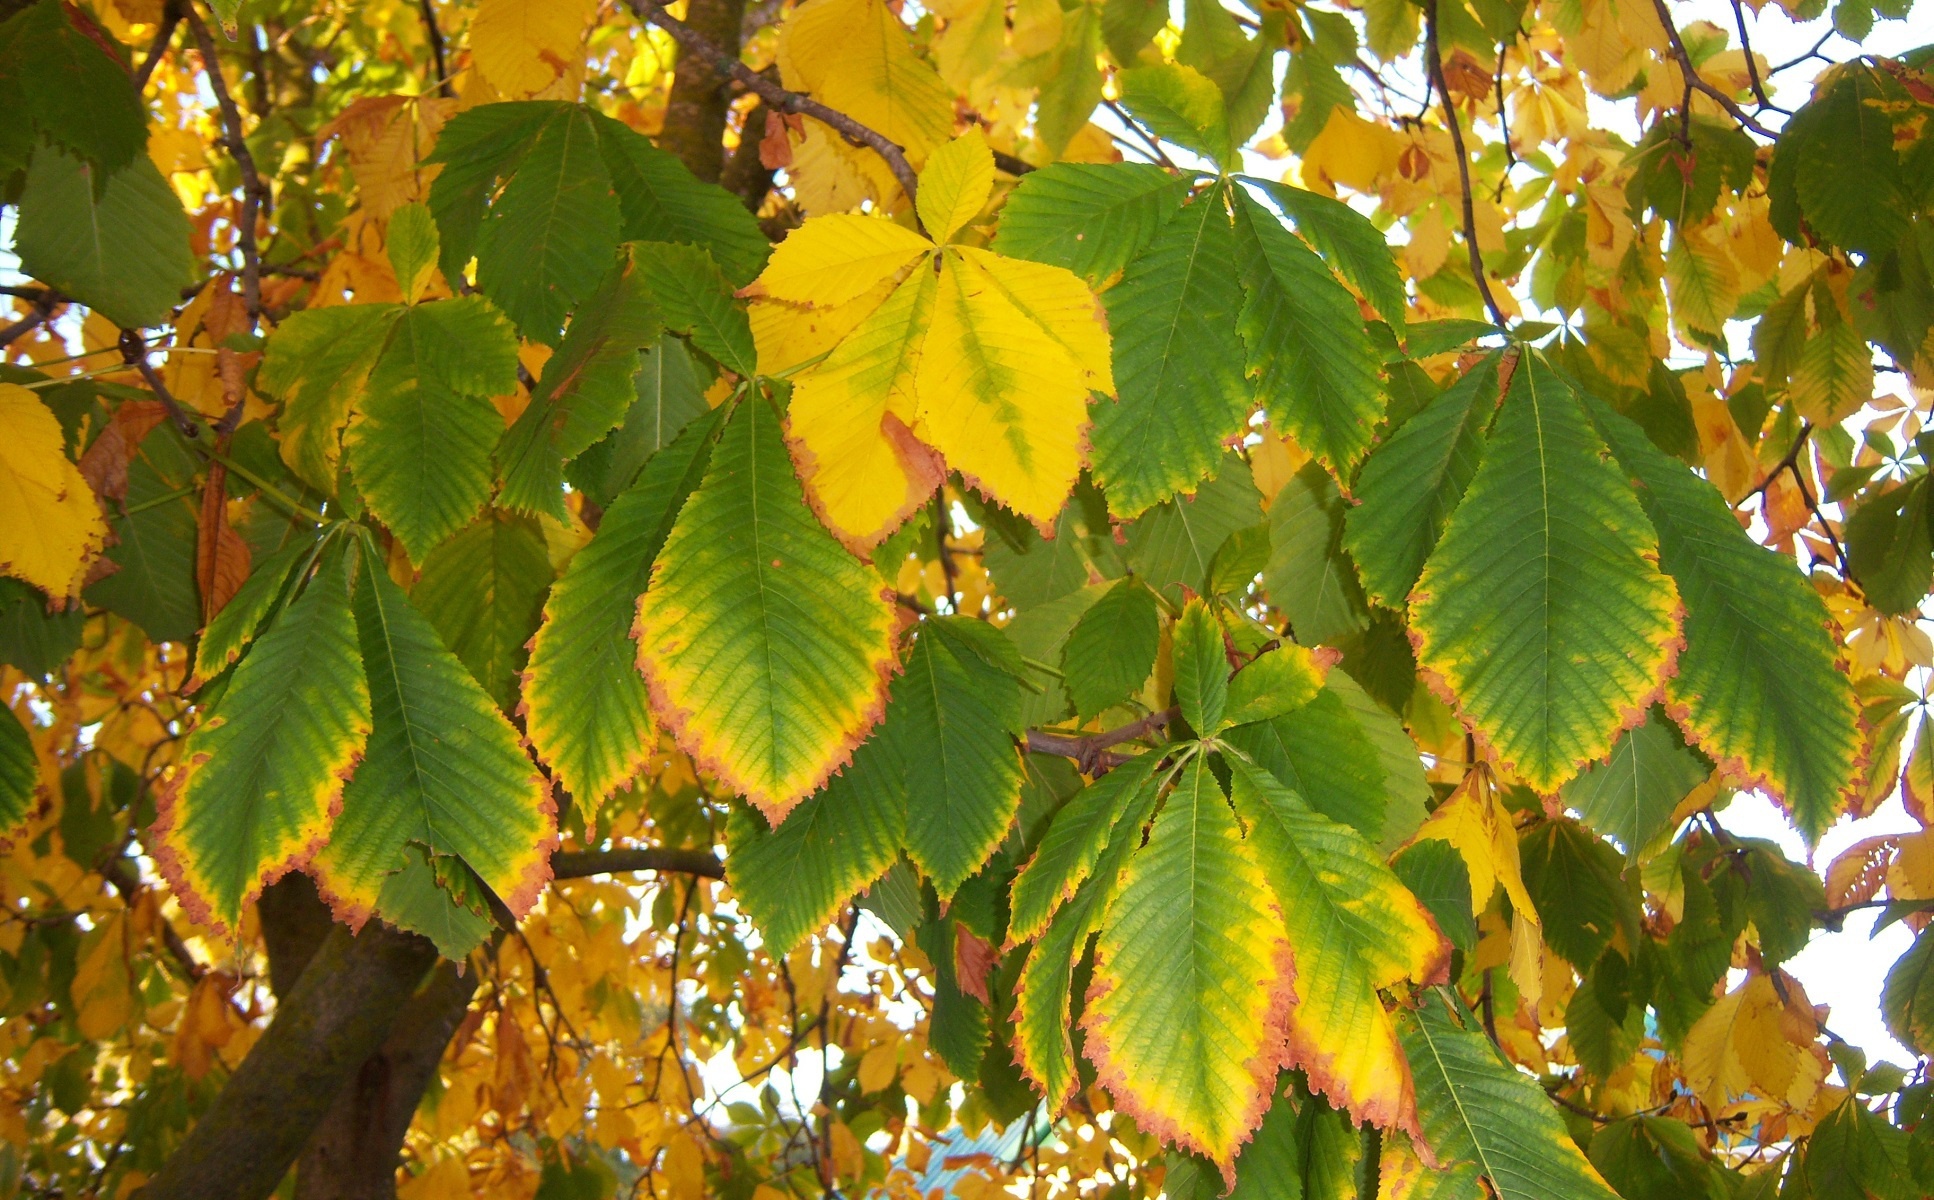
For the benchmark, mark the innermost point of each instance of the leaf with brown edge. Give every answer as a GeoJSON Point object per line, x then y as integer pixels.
{"type": "Point", "coordinates": [1193, 980]}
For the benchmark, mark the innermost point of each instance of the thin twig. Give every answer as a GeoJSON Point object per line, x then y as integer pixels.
{"type": "Point", "coordinates": [1153, 143]}
{"type": "Point", "coordinates": [1504, 128]}
{"type": "Point", "coordinates": [255, 193]}
{"type": "Point", "coordinates": [1808, 56]}
{"type": "Point", "coordinates": [781, 98]}
{"type": "Point", "coordinates": [1752, 67]}
{"type": "Point", "coordinates": [1788, 459]}
{"type": "Point", "coordinates": [1434, 64]}
{"type": "Point", "coordinates": [43, 311]}
{"type": "Point", "coordinates": [170, 18]}
{"type": "Point", "coordinates": [1695, 81]}
{"type": "Point", "coordinates": [942, 526]}
{"type": "Point", "coordinates": [435, 34]}
{"type": "Point", "coordinates": [134, 352]}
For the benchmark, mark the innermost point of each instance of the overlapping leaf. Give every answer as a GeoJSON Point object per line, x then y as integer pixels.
{"type": "Point", "coordinates": [54, 525]}
{"type": "Point", "coordinates": [1074, 842]}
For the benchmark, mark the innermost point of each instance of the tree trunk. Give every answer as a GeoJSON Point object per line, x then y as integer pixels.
{"type": "Point", "coordinates": [694, 126]}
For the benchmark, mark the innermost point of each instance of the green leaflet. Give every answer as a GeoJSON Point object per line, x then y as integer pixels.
{"type": "Point", "coordinates": [1308, 576]}
{"type": "Point", "coordinates": [1092, 218]}
{"type": "Point", "coordinates": [1315, 370]}
{"type": "Point", "coordinates": [1757, 687]}
{"type": "Point", "coordinates": [694, 299]}
{"type": "Point", "coordinates": [1889, 538]}
{"type": "Point", "coordinates": [19, 772]}
{"type": "Point", "coordinates": [585, 706]}
{"type": "Point", "coordinates": [1907, 1000]}
{"type": "Point", "coordinates": [1181, 105]}
{"type": "Point", "coordinates": [262, 774]}
{"type": "Point", "coordinates": [662, 201]}
{"type": "Point", "coordinates": [1406, 791]}
{"type": "Point", "coordinates": [411, 899]}
{"type": "Point", "coordinates": [1039, 634]}
{"type": "Point", "coordinates": [1031, 570]}
{"type": "Point", "coordinates": [583, 395]}
{"type": "Point", "coordinates": [70, 87]}
{"type": "Point", "coordinates": [766, 646]}
{"type": "Point", "coordinates": [444, 770]}
{"type": "Point", "coordinates": [1322, 753]}
{"type": "Point", "coordinates": [1573, 879]}
{"type": "Point", "coordinates": [32, 638]}
{"type": "Point", "coordinates": [1476, 1109]}
{"type": "Point", "coordinates": [1192, 979]}
{"type": "Point", "coordinates": [1348, 242]}
{"type": "Point", "coordinates": [792, 880]}
{"type": "Point", "coordinates": [1434, 872]}
{"type": "Point", "coordinates": [1074, 843]}
{"type": "Point", "coordinates": [548, 236]}
{"type": "Point", "coordinates": [957, 1029]}
{"type": "Point", "coordinates": [953, 722]}
{"type": "Point", "coordinates": [1275, 683]}
{"type": "Point", "coordinates": [1177, 362]}
{"type": "Point", "coordinates": [1835, 167]}
{"type": "Point", "coordinates": [669, 396]}
{"type": "Point", "coordinates": [1173, 545]}
{"type": "Point", "coordinates": [476, 148]}
{"type": "Point", "coordinates": [318, 363]}
{"type": "Point", "coordinates": [1353, 928]}
{"type": "Point", "coordinates": [1413, 481]}
{"type": "Point", "coordinates": [419, 443]}
{"type": "Point", "coordinates": [1303, 1150]}
{"type": "Point", "coordinates": [120, 248]}
{"type": "Point", "coordinates": [1857, 1154]}
{"type": "Point", "coordinates": [1631, 796]}
{"type": "Point", "coordinates": [155, 543]}
{"type": "Point", "coordinates": [1541, 611]}
{"type": "Point", "coordinates": [237, 624]}
{"type": "Point", "coordinates": [1604, 1021]}
{"type": "Point", "coordinates": [1201, 669]}
{"type": "Point", "coordinates": [1654, 1156]}
{"type": "Point", "coordinates": [484, 591]}
{"type": "Point", "coordinates": [1111, 650]}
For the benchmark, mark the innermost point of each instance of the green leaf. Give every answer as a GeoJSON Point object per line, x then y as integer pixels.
{"type": "Point", "coordinates": [1129, 25]}
{"type": "Point", "coordinates": [585, 706]}
{"type": "Point", "coordinates": [412, 244]}
{"type": "Point", "coordinates": [1192, 979]}
{"type": "Point", "coordinates": [1835, 166]}
{"type": "Point", "coordinates": [1907, 999]}
{"type": "Point", "coordinates": [1651, 1156]}
{"type": "Point", "coordinates": [1889, 540]}
{"type": "Point", "coordinates": [1476, 1109]}
{"type": "Point", "coordinates": [669, 396]}
{"type": "Point", "coordinates": [484, 591]}
{"type": "Point", "coordinates": [154, 543]}
{"type": "Point", "coordinates": [262, 773]}
{"type": "Point", "coordinates": [1321, 752]}
{"type": "Point", "coordinates": [444, 770]}
{"type": "Point", "coordinates": [31, 638]}
{"type": "Point", "coordinates": [1111, 650]}
{"type": "Point", "coordinates": [1631, 796]}
{"type": "Point", "coordinates": [548, 237]}
{"type": "Point", "coordinates": [1180, 104]}
{"type": "Point", "coordinates": [117, 244]}
{"type": "Point", "coordinates": [1757, 687]}
{"type": "Point", "coordinates": [1174, 545]}
{"type": "Point", "coordinates": [1541, 610]}
{"type": "Point", "coordinates": [1353, 929]}
{"type": "Point", "coordinates": [1414, 480]}
{"type": "Point", "coordinates": [420, 441]}
{"type": "Point", "coordinates": [318, 364]}
{"type": "Point", "coordinates": [1434, 872]}
{"type": "Point", "coordinates": [1031, 570]}
{"type": "Point", "coordinates": [792, 880]}
{"type": "Point", "coordinates": [476, 149]}
{"type": "Point", "coordinates": [1315, 369]}
{"type": "Point", "coordinates": [1604, 1021]}
{"type": "Point", "coordinates": [1353, 247]}
{"type": "Point", "coordinates": [662, 201]}
{"type": "Point", "coordinates": [1573, 879]}
{"type": "Point", "coordinates": [19, 773]}
{"type": "Point", "coordinates": [957, 1029]}
{"type": "Point", "coordinates": [1783, 898]}
{"type": "Point", "coordinates": [71, 88]}
{"type": "Point", "coordinates": [585, 391]}
{"type": "Point", "coordinates": [1039, 634]}
{"type": "Point", "coordinates": [411, 900]}
{"type": "Point", "coordinates": [766, 645]}
{"type": "Point", "coordinates": [235, 627]}
{"type": "Point", "coordinates": [1092, 218]}
{"type": "Point", "coordinates": [952, 722]}
{"type": "Point", "coordinates": [1855, 1154]}
{"type": "Point", "coordinates": [1275, 683]}
{"type": "Point", "coordinates": [695, 299]}
{"type": "Point", "coordinates": [1201, 669]}
{"type": "Point", "coordinates": [1074, 842]}
{"type": "Point", "coordinates": [1177, 361]}
{"type": "Point", "coordinates": [1308, 576]}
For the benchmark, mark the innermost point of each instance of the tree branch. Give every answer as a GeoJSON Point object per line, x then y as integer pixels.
{"type": "Point", "coordinates": [44, 305]}
{"type": "Point", "coordinates": [1695, 82]}
{"type": "Point", "coordinates": [1434, 64]}
{"type": "Point", "coordinates": [255, 193]}
{"type": "Point", "coordinates": [434, 33]}
{"type": "Point", "coordinates": [170, 18]}
{"type": "Point", "coordinates": [780, 98]}
{"type": "Point", "coordinates": [577, 864]}
{"type": "Point", "coordinates": [1092, 752]}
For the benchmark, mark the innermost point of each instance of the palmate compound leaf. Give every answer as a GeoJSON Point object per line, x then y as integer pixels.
{"type": "Point", "coordinates": [931, 353]}
{"type": "Point", "coordinates": [1042, 1046]}
{"type": "Point", "coordinates": [585, 705]}
{"type": "Point", "coordinates": [1758, 688]}
{"type": "Point", "coordinates": [443, 769]}
{"type": "Point", "coordinates": [765, 646]}
{"type": "Point", "coordinates": [953, 719]}
{"type": "Point", "coordinates": [53, 524]}
{"type": "Point", "coordinates": [792, 880]}
{"type": "Point", "coordinates": [261, 777]}
{"type": "Point", "coordinates": [1316, 371]}
{"type": "Point", "coordinates": [1542, 612]}
{"type": "Point", "coordinates": [1353, 928]}
{"type": "Point", "coordinates": [1474, 1108]}
{"type": "Point", "coordinates": [420, 437]}
{"type": "Point", "coordinates": [1193, 979]}
{"type": "Point", "coordinates": [1092, 218]}
{"type": "Point", "coordinates": [1074, 842]}
{"type": "Point", "coordinates": [1177, 361]}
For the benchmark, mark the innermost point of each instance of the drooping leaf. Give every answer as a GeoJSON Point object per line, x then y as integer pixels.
{"type": "Point", "coordinates": [585, 706]}
{"type": "Point", "coordinates": [1907, 1000]}
{"type": "Point", "coordinates": [1093, 219]}
{"type": "Point", "coordinates": [443, 770]}
{"type": "Point", "coordinates": [1541, 611]}
{"type": "Point", "coordinates": [1192, 979]}
{"type": "Point", "coordinates": [32, 638]}
{"type": "Point", "coordinates": [1573, 878]}
{"type": "Point", "coordinates": [262, 774]}
{"type": "Point", "coordinates": [766, 646]}
{"type": "Point", "coordinates": [19, 773]}
{"type": "Point", "coordinates": [411, 899]}
{"type": "Point", "coordinates": [484, 591]}
{"type": "Point", "coordinates": [154, 543]}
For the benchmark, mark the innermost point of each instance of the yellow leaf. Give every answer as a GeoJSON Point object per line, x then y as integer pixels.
{"type": "Point", "coordinates": [1751, 1042]}
{"type": "Point", "coordinates": [1481, 832]}
{"type": "Point", "coordinates": [683, 1169]}
{"type": "Point", "coordinates": [833, 259]}
{"type": "Point", "coordinates": [955, 185]}
{"type": "Point", "coordinates": [1701, 279]}
{"type": "Point", "coordinates": [830, 176]}
{"type": "Point", "coordinates": [1059, 303]}
{"type": "Point", "coordinates": [787, 335]}
{"type": "Point", "coordinates": [531, 48]}
{"type": "Point", "coordinates": [53, 525]}
{"type": "Point", "coordinates": [880, 1067]}
{"type": "Point", "coordinates": [849, 1158]}
{"type": "Point", "coordinates": [852, 56]}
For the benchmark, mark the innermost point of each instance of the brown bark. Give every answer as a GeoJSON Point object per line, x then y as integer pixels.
{"type": "Point", "coordinates": [695, 114]}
